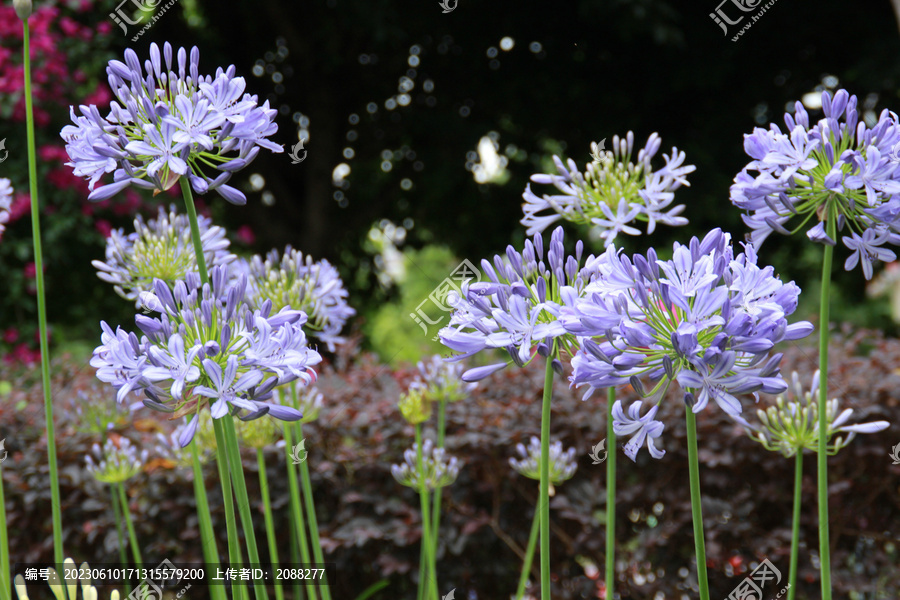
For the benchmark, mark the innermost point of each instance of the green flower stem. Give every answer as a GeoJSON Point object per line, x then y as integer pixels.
{"type": "Point", "coordinates": [123, 558]}
{"type": "Point", "coordinates": [311, 519]}
{"type": "Point", "coordinates": [56, 512]}
{"type": "Point", "coordinates": [795, 529]}
{"type": "Point", "coordinates": [544, 504]}
{"type": "Point", "coordinates": [132, 538]}
{"type": "Point", "coordinates": [296, 512]}
{"type": "Point", "coordinates": [270, 526]}
{"type": "Point", "coordinates": [529, 551]}
{"type": "Point", "coordinates": [234, 546]}
{"type": "Point", "coordinates": [822, 458]}
{"type": "Point", "coordinates": [243, 501]}
{"type": "Point", "coordinates": [696, 511]}
{"type": "Point", "coordinates": [5, 584]}
{"type": "Point", "coordinates": [234, 550]}
{"type": "Point", "coordinates": [436, 507]}
{"type": "Point", "coordinates": [610, 495]}
{"type": "Point", "coordinates": [299, 592]}
{"type": "Point", "coordinates": [431, 576]}
{"type": "Point", "coordinates": [207, 537]}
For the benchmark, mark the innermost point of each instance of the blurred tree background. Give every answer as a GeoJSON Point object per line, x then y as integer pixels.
{"type": "Point", "coordinates": [392, 99]}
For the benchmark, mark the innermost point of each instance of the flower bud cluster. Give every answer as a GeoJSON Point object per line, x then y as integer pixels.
{"type": "Point", "coordinates": [439, 469]}
{"type": "Point", "coordinates": [160, 248]}
{"type": "Point", "coordinates": [116, 462]}
{"type": "Point", "coordinates": [562, 463]}
{"type": "Point", "coordinates": [613, 192]}
{"type": "Point", "coordinates": [792, 424]}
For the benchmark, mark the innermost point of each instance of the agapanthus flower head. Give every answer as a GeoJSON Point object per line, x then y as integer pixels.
{"type": "Point", "coordinates": [117, 461]}
{"type": "Point", "coordinates": [415, 406]}
{"type": "Point", "coordinates": [613, 192]}
{"type": "Point", "coordinates": [168, 121]}
{"type": "Point", "coordinates": [159, 248]}
{"type": "Point", "coordinates": [705, 318]}
{"type": "Point", "coordinates": [792, 424]}
{"type": "Point", "coordinates": [833, 175]}
{"type": "Point", "coordinates": [562, 463]}
{"type": "Point", "coordinates": [517, 309]}
{"type": "Point", "coordinates": [440, 470]}
{"type": "Point", "coordinates": [441, 380]}
{"type": "Point", "coordinates": [65, 588]}
{"type": "Point", "coordinates": [90, 410]}
{"type": "Point", "coordinates": [169, 447]}
{"type": "Point", "coordinates": [295, 280]}
{"type": "Point", "coordinates": [6, 197]}
{"type": "Point", "coordinates": [207, 348]}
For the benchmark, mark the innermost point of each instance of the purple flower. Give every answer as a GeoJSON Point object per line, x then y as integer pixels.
{"type": "Point", "coordinates": [838, 173]}
{"type": "Point", "coordinates": [641, 429]}
{"type": "Point", "coordinates": [613, 192]}
{"type": "Point", "coordinates": [168, 123]}
{"type": "Point", "coordinates": [519, 309]}
{"type": "Point", "coordinates": [705, 319]}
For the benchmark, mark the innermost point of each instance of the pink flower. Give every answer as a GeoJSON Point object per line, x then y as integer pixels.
{"type": "Point", "coordinates": [11, 335]}
{"type": "Point", "coordinates": [245, 235]}
{"type": "Point", "coordinates": [30, 271]}
{"type": "Point", "coordinates": [103, 226]}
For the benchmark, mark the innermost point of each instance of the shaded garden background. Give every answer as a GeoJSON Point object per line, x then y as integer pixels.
{"type": "Point", "coordinates": [578, 72]}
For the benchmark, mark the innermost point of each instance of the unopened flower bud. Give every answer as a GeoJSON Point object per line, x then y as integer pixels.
{"type": "Point", "coordinates": [23, 8]}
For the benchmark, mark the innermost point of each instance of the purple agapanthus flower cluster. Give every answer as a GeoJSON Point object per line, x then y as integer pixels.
{"type": "Point", "coordinates": [295, 280]}
{"type": "Point", "coordinates": [836, 174]}
{"type": "Point", "coordinates": [706, 319]}
{"type": "Point", "coordinates": [6, 193]}
{"type": "Point", "coordinates": [170, 122]}
{"type": "Point", "coordinates": [613, 191]}
{"type": "Point", "coordinates": [442, 380]}
{"type": "Point", "coordinates": [160, 248]}
{"type": "Point", "coordinates": [207, 347]}
{"type": "Point", "coordinates": [518, 308]}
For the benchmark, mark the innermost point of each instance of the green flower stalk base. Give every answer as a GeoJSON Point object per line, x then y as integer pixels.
{"type": "Point", "coordinates": [270, 525]}
{"type": "Point", "coordinates": [544, 504]}
{"type": "Point", "coordinates": [610, 496]}
{"type": "Point", "coordinates": [696, 511]}
{"type": "Point", "coordinates": [822, 458]}
{"type": "Point", "coordinates": [430, 583]}
{"type": "Point", "coordinates": [795, 527]}
{"type": "Point", "coordinates": [56, 512]}
{"type": "Point", "coordinates": [132, 538]}
{"type": "Point", "coordinates": [5, 583]}
{"type": "Point", "coordinates": [123, 558]}
{"type": "Point", "coordinates": [297, 520]}
{"type": "Point", "coordinates": [306, 484]}
{"type": "Point", "coordinates": [529, 551]}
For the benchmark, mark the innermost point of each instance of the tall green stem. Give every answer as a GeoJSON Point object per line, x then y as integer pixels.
{"type": "Point", "coordinates": [610, 495]}
{"type": "Point", "coordinates": [795, 528]}
{"type": "Point", "coordinates": [132, 538]}
{"type": "Point", "coordinates": [270, 526]}
{"type": "Point", "coordinates": [312, 520]}
{"type": "Point", "coordinates": [123, 558]}
{"type": "Point", "coordinates": [207, 537]}
{"type": "Point", "coordinates": [41, 304]}
{"type": "Point", "coordinates": [529, 551]}
{"type": "Point", "coordinates": [234, 546]}
{"type": "Point", "coordinates": [822, 455]}
{"type": "Point", "coordinates": [5, 574]}
{"type": "Point", "coordinates": [696, 511]}
{"type": "Point", "coordinates": [431, 576]}
{"type": "Point", "coordinates": [299, 592]}
{"type": "Point", "coordinates": [544, 504]}
{"type": "Point", "coordinates": [436, 506]}
{"type": "Point", "coordinates": [243, 501]}
{"type": "Point", "coordinates": [296, 512]}
{"type": "Point", "coordinates": [234, 550]}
